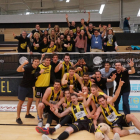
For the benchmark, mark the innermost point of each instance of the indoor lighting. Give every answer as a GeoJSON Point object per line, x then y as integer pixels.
{"type": "Point", "coordinates": [101, 8]}
{"type": "Point", "coordinates": [67, 0]}
{"type": "Point", "coordinates": [27, 13]}
{"type": "Point", "coordinates": [138, 15]}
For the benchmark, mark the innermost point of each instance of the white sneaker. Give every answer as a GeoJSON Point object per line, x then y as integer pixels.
{"type": "Point", "coordinates": [45, 137]}
{"type": "Point", "coordinates": [116, 136]}
{"type": "Point", "coordinates": [136, 131]}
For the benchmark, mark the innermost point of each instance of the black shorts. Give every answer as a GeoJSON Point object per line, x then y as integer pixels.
{"type": "Point", "coordinates": [121, 122]}
{"type": "Point", "coordinates": [83, 125]}
{"type": "Point", "coordinates": [39, 91]}
{"type": "Point", "coordinates": [24, 92]}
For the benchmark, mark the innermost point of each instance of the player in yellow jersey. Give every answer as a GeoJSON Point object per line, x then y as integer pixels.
{"type": "Point", "coordinates": [51, 97]}
{"type": "Point", "coordinates": [64, 65]}
{"type": "Point", "coordinates": [113, 118]}
{"type": "Point", "coordinates": [79, 112]}
{"type": "Point", "coordinates": [65, 102]}
{"type": "Point", "coordinates": [71, 78]}
{"type": "Point", "coordinates": [44, 79]}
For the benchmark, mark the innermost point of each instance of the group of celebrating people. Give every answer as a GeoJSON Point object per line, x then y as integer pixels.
{"type": "Point", "coordinates": [69, 95]}
{"type": "Point", "coordinates": [75, 39]}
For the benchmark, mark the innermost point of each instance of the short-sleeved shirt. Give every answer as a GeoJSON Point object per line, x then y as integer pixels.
{"type": "Point", "coordinates": [29, 78]}
{"type": "Point", "coordinates": [124, 77]}
{"type": "Point", "coordinates": [96, 42]}
{"type": "Point", "coordinates": [102, 83]}
{"type": "Point", "coordinates": [107, 75]}
{"type": "Point", "coordinates": [35, 49]}
{"type": "Point", "coordinates": [23, 43]}
{"type": "Point", "coordinates": [71, 48]}
{"type": "Point", "coordinates": [43, 47]}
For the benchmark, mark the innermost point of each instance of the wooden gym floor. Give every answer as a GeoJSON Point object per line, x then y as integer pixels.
{"type": "Point", "coordinates": [10, 130]}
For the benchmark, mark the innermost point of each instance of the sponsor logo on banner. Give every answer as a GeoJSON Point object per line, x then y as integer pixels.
{"type": "Point", "coordinates": [22, 59]}
{"type": "Point", "coordinates": [134, 98]}
{"type": "Point", "coordinates": [97, 61]}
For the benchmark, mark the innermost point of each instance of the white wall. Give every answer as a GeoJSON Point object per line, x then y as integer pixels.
{"type": "Point", "coordinates": [47, 18]}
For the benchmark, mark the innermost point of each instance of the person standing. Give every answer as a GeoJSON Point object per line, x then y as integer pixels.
{"type": "Point", "coordinates": [126, 26]}
{"type": "Point", "coordinates": [81, 42]}
{"type": "Point", "coordinates": [25, 88]}
{"type": "Point", "coordinates": [125, 89]}
{"type": "Point", "coordinates": [23, 42]}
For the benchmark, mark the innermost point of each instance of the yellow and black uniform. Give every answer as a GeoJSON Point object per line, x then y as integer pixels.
{"type": "Point", "coordinates": [73, 82]}
{"type": "Point", "coordinates": [69, 103]}
{"type": "Point", "coordinates": [113, 118]}
{"type": "Point", "coordinates": [81, 73]}
{"type": "Point", "coordinates": [99, 130]}
{"type": "Point", "coordinates": [43, 80]}
{"type": "Point", "coordinates": [71, 47]}
{"type": "Point", "coordinates": [65, 68]}
{"type": "Point", "coordinates": [81, 121]}
{"type": "Point", "coordinates": [89, 84]}
{"type": "Point", "coordinates": [51, 49]}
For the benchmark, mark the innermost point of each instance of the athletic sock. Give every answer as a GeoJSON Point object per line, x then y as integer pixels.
{"type": "Point", "coordinates": [132, 131]}
{"type": "Point", "coordinates": [63, 136]}
{"type": "Point", "coordinates": [47, 125]}
{"type": "Point", "coordinates": [57, 126]}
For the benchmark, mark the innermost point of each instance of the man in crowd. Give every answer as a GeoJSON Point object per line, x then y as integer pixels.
{"type": "Point", "coordinates": [25, 88]}
{"type": "Point", "coordinates": [126, 26]}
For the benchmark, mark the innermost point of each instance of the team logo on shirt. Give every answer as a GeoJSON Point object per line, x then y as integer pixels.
{"type": "Point", "coordinates": [97, 61]}
{"type": "Point", "coordinates": [22, 59]}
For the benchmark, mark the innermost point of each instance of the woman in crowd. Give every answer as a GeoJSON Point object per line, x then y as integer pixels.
{"type": "Point", "coordinates": [52, 36]}
{"type": "Point", "coordinates": [78, 30]}
{"type": "Point", "coordinates": [35, 40]}
{"type": "Point", "coordinates": [66, 32]}
{"type": "Point", "coordinates": [81, 42]}
{"type": "Point", "coordinates": [72, 35]}
{"type": "Point", "coordinates": [110, 41]}
{"type": "Point", "coordinates": [59, 45]}
{"type": "Point", "coordinates": [57, 30]}
{"type": "Point", "coordinates": [45, 34]}
{"type": "Point", "coordinates": [69, 45]}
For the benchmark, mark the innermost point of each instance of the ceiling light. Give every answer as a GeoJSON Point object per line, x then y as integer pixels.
{"type": "Point", "coordinates": [138, 15]}
{"type": "Point", "coordinates": [27, 13]}
{"type": "Point", "coordinates": [67, 0]}
{"type": "Point", "coordinates": [101, 8]}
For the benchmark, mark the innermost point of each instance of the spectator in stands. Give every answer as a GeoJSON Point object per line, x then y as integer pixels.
{"type": "Point", "coordinates": [51, 47]}
{"type": "Point", "coordinates": [57, 30]}
{"type": "Point", "coordinates": [23, 42]}
{"type": "Point", "coordinates": [69, 45]}
{"type": "Point", "coordinates": [100, 27]}
{"type": "Point", "coordinates": [43, 45]}
{"type": "Point", "coordinates": [59, 45]}
{"type": "Point", "coordinates": [62, 38]}
{"type": "Point", "coordinates": [37, 29]}
{"type": "Point", "coordinates": [126, 26]}
{"type": "Point", "coordinates": [81, 42]}
{"type": "Point", "coordinates": [78, 30]}
{"type": "Point", "coordinates": [109, 25]}
{"type": "Point", "coordinates": [72, 25]}
{"type": "Point", "coordinates": [83, 23]}
{"type": "Point", "coordinates": [72, 35]}
{"type": "Point", "coordinates": [96, 40]}
{"type": "Point", "coordinates": [110, 41]}
{"type": "Point", "coordinates": [45, 34]}
{"type": "Point", "coordinates": [52, 36]}
{"type": "Point", "coordinates": [91, 31]}
{"type": "Point", "coordinates": [36, 39]}
{"type": "Point", "coordinates": [66, 32]}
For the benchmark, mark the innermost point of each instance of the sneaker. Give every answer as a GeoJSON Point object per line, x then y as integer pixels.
{"type": "Point", "coordinates": [29, 116]}
{"type": "Point", "coordinates": [19, 121]}
{"type": "Point", "coordinates": [51, 130]}
{"type": "Point", "coordinates": [116, 136]}
{"type": "Point", "coordinates": [136, 131]}
{"type": "Point", "coordinates": [44, 137]}
{"type": "Point", "coordinates": [40, 123]}
{"type": "Point", "coordinates": [42, 130]}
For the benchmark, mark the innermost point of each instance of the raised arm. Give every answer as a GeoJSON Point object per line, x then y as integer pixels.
{"type": "Point", "coordinates": [131, 64]}
{"type": "Point", "coordinates": [64, 81]}
{"type": "Point", "coordinates": [79, 79]}
{"type": "Point", "coordinates": [58, 67]}
{"type": "Point", "coordinates": [93, 107]}
{"type": "Point", "coordinates": [117, 93]}
{"type": "Point", "coordinates": [89, 35]}
{"type": "Point", "coordinates": [20, 68]}
{"type": "Point", "coordinates": [67, 20]}
{"type": "Point", "coordinates": [88, 17]}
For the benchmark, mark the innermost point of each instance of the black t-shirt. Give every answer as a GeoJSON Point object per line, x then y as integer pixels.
{"type": "Point", "coordinates": [73, 28]}
{"type": "Point", "coordinates": [33, 31]}
{"type": "Point", "coordinates": [35, 49]}
{"type": "Point", "coordinates": [110, 46]}
{"type": "Point", "coordinates": [58, 74]}
{"type": "Point", "coordinates": [73, 38]}
{"type": "Point", "coordinates": [22, 44]}
{"type": "Point", "coordinates": [83, 28]}
{"type": "Point", "coordinates": [71, 48]}
{"type": "Point", "coordinates": [124, 77]}
{"type": "Point", "coordinates": [29, 77]}
{"type": "Point", "coordinates": [102, 83]}
{"type": "Point", "coordinates": [89, 39]}
{"type": "Point", "coordinates": [43, 47]}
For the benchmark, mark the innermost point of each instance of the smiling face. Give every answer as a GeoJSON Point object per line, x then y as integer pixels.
{"type": "Point", "coordinates": [74, 99]}
{"type": "Point", "coordinates": [71, 73]}
{"type": "Point", "coordinates": [103, 102]}
{"type": "Point", "coordinates": [85, 89]}
{"type": "Point", "coordinates": [55, 58]}
{"type": "Point", "coordinates": [82, 32]}
{"type": "Point", "coordinates": [24, 34]}
{"type": "Point", "coordinates": [67, 94]}
{"type": "Point", "coordinates": [98, 75]}
{"type": "Point", "coordinates": [66, 59]}
{"type": "Point", "coordinates": [94, 90]}
{"type": "Point", "coordinates": [68, 38]}
{"type": "Point", "coordinates": [118, 67]}
{"type": "Point", "coordinates": [57, 86]}
{"type": "Point", "coordinates": [47, 61]}
{"type": "Point", "coordinates": [73, 23]}
{"type": "Point", "coordinates": [36, 62]}
{"type": "Point", "coordinates": [107, 66]}
{"type": "Point", "coordinates": [85, 78]}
